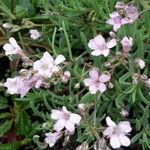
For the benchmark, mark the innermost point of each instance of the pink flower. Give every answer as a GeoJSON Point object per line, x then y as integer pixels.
{"type": "Point", "coordinates": [46, 66]}
{"type": "Point", "coordinates": [96, 82]}
{"type": "Point", "coordinates": [21, 84]}
{"type": "Point", "coordinates": [131, 12]}
{"type": "Point", "coordinates": [51, 138]}
{"type": "Point", "coordinates": [13, 48]}
{"type": "Point", "coordinates": [100, 46]}
{"type": "Point", "coordinates": [65, 119]}
{"type": "Point", "coordinates": [117, 133]}
{"type": "Point", "coordinates": [28, 83]}
{"type": "Point", "coordinates": [127, 43]}
{"type": "Point", "coordinates": [116, 20]}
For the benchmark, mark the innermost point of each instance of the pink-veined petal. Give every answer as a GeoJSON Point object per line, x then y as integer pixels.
{"type": "Point", "coordinates": [88, 82]}
{"type": "Point", "coordinates": [94, 74]}
{"type": "Point", "coordinates": [112, 43]}
{"type": "Point", "coordinates": [110, 21]}
{"type": "Point", "coordinates": [93, 89]}
{"type": "Point", "coordinates": [104, 78]}
{"type": "Point", "coordinates": [102, 87]}
{"type": "Point", "coordinates": [59, 125]}
{"type": "Point", "coordinates": [114, 141]}
{"type": "Point", "coordinates": [125, 21]}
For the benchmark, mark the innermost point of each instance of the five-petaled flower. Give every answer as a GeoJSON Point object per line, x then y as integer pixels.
{"type": "Point", "coordinates": [116, 20]}
{"type": "Point", "coordinates": [65, 119]}
{"type": "Point", "coordinates": [46, 66]}
{"type": "Point", "coordinates": [100, 46]}
{"type": "Point", "coordinates": [117, 133]}
{"type": "Point", "coordinates": [96, 82]}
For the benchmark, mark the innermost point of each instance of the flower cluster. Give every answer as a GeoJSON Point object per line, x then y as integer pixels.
{"type": "Point", "coordinates": [40, 70]}
{"type": "Point", "coordinates": [125, 14]}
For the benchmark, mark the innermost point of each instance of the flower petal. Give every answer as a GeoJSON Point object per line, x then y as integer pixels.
{"type": "Point", "coordinates": [93, 89]}
{"type": "Point", "coordinates": [88, 82]}
{"type": "Point", "coordinates": [92, 44]}
{"type": "Point", "coordinates": [75, 118]}
{"type": "Point", "coordinates": [13, 42]}
{"type": "Point", "coordinates": [124, 140]}
{"type": "Point", "coordinates": [57, 114]}
{"type": "Point", "coordinates": [109, 122]}
{"type": "Point", "coordinates": [59, 125]}
{"type": "Point", "coordinates": [102, 87]}
{"type": "Point", "coordinates": [114, 141]}
{"type": "Point", "coordinates": [108, 131]}
{"type": "Point", "coordinates": [59, 59]}
{"type": "Point", "coordinates": [8, 47]}
{"type": "Point", "coordinates": [94, 74]}
{"type": "Point", "coordinates": [105, 52]}
{"type": "Point", "coordinates": [125, 126]}
{"type": "Point", "coordinates": [96, 53]}
{"type": "Point", "coordinates": [111, 43]}
{"type": "Point", "coordinates": [104, 78]}
{"type": "Point", "coordinates": [69, 126]}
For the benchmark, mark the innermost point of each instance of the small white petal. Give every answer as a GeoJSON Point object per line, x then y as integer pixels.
{"type": "Point", "coordinates": [59, 125]}
{"type": "Point", "coordinates": [111, 43]}
{"type": "Point", "coordinates": [59, 59]}
{"type": "Point", "coordinates": [124, 140]}
{"type": "Point", "coordinates": [75, 118]}
{"type": "Point", "coordinates": [125, 126]}
{"type": "Point", "coordinates": [109, 122]}
{"type": "Point", "coordinates": [114, 141]}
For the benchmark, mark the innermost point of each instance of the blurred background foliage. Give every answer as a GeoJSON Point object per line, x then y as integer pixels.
{"type": "Point", "coordinates": [66, 26]}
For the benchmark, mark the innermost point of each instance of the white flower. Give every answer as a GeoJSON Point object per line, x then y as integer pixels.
{"type": "Point", "coordinates": [81, 107]}
{"type": "Point", "coordinates": [65, 119]}
{"type": "Point", "coordinates": [51, 138]}
{"type": "Point", "coordinates": [34, 34]}
{"type": "Point", "coordinates": [100, 46]}
{"type": "Point", "coordinates": [139, 62]}
{"type": "Point", "coordinates": [46, 66]}
{"type": "Point", "coordinates": [117, 133]}
{"type": "Point", "coordinates": [13, 48]}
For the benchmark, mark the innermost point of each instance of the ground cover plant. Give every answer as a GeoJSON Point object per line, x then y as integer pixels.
{"type": "Point", "coordinates": [74, 74]}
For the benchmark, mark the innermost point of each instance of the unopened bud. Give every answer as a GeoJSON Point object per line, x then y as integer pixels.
{"type": "Point", "coordinates": [77, 86]}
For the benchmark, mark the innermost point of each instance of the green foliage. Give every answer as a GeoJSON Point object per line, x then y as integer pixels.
{"type": "Point", "coordinates": [66, 27]}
